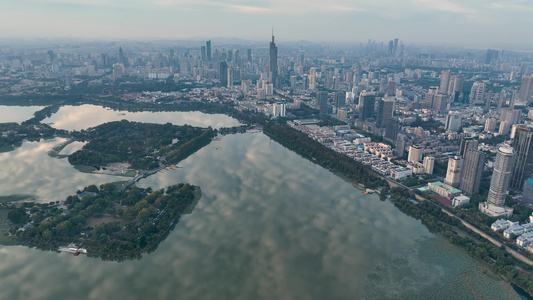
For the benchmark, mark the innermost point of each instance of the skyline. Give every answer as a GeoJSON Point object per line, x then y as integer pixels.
{"type": "Point", "coordinates": [475, 24]}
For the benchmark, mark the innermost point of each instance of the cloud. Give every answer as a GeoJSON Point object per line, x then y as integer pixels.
{"type": "Point", "coordinates": [445, 6]}
{"type": "Point", "coordinates": [250, 9]}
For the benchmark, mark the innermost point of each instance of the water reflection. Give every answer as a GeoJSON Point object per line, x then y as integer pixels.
{"type": "Point", "coordinates": [86, 116]}
{"type": "Point", "coordinates": [17, 114]}
{"type": "Point", "coordinates": [29, 170]}
{"type": "Point", "coordinates": [269, 225]}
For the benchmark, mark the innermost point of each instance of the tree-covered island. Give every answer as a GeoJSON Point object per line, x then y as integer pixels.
{"type": "Point", "coordinates": [144, 146]}
{"type": "Point", "coordinates": [109, 222]}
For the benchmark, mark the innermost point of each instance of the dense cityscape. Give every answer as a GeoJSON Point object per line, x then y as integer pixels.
{"type": "Point", "coordinates": [451, 127]}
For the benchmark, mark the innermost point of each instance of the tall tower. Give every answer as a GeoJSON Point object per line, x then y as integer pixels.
{"type": "Point", "coordinates": [208, 49]}
{"type": "Point", "coordinates": [454, 172]}
{"type": "Point", "coordinates": [501, 176]}
{"type": "Point", "coordinates": [526, 89]}
{"type": "Point", "coordinates": [444, 81]}
{"type": "Point", "coordinates": [415, 154]}
{"type": "Point", "coordinates": [223, 73]}
{"type": "Point", "coordinates": [453, 121]}
{"type": "Point", "coordinates": [312, 78]}
{"type": "Point", "coordinates": [366, 105]}
{"type": "Point", "coordinates": [385, 111]}
{"type": "Point", "coordinates": [322, 101]}
{"type": "Point", "coordinates": [467, 144]}
{"type": "Point", "coordinates": [472, 172]}
{"type": "Point", "coordinates": [523, 147]}
{"type": "Point", "coordinates": [274, 62]}
{"type": "Point", "coordinates": [121, 57]}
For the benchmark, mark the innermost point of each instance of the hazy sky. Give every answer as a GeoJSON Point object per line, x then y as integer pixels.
{"type": "Point", "coordinates": [471, 23]}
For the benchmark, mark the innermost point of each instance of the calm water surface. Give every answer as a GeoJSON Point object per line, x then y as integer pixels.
{"type": "Point", "coordinates": [269, 225]}
{"type": "Point", "coordinates": [17, 114]}
{"type": "Point", "coordinates": [86, 116]}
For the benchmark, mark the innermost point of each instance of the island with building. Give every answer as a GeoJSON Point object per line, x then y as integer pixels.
{"type": "Point", "coordinates": [108, 221]}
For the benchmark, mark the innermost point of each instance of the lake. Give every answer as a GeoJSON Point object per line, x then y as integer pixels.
{"type": "Point", "coordinates": [86, 116]}
{"type": "Point", "coordinates": [269, 225]}
{"type": "Point", "coordinates": [17, 114]}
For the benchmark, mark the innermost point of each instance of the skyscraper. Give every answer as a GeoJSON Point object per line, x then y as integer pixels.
{"type": "Point", "coordinates": [202, 52]}
{"type": "Point", "coordinates": [428, 99]}
{"type": "Point", "coordinates": [415, 154]}
{"type": "Point", "coordinates": [523, 147]}
{"type": "Point", "coordinates": [429, 164]}
{"type": "Point", "coordinates": [526, 89]}
{"type": "Point", "coordinates": [439, 103]}
{"type": "Point", "coordinates": [385, 111]}
{"type": "Point", "coordinates": [340, 99]}
{"type": "Point", "coordinates": [477, 93]}
{"type": "Point", "coordinates": [393, 128]}
{"type": "Point", "coordinates": [472, 172]}
{"type": "Point", "coordinates": [249, 55]}
{"type": "Point", "coordinates": [312, 78]}
{"type": "Point", "coordinates": [501, 176]}
{"type": "Point", "coordinates": [367, 102]}
{"type": "Point", "coordinates": [511, 116]}
{"type": "Point", "coordinates": [453, 121]}
{"type": "Point", "coordinates": [274, 62]}
{"type": "Point", "coordinates": [444, 81]}
{"type": "Point", "coordinates": [458, 86]}
{"type": "Point", "coordinates": [208, 50]}
{"type": "Point", "coordinates": [121, 57]}
{"type": "Point", "coordinates": [223, 72]}
{"type": "Point", "coordinates": [454, 171]}
{"type": "Point", "coordinates": [467, 144]}
{"type": "Point", "coordinates": [322, 101]}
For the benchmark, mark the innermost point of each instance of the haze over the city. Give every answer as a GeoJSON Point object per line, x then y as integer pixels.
{"type": "Point", "coordinates": [471, 24]}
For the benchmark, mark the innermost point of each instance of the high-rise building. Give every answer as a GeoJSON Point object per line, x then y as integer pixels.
{"type": "Point", "coordinates": [322, 101]}
{"type": "Point", "coordinates": [453, 121]}
{"type": "Point", "coordinates": [385, 111]}
{"type": "Point", "coordinates": [444, 81]}
{"type": "Point", "coordinates": [511, 116]}
{"type": "Point", "coordinates": [400, 145]}
{"type": "Point", "coordinates": [312, 78]}
{"type": "Point", "coordinates": [249, 55]}
{"type": "Point", "coordinates": [429, 97]}
{"type": "Point", "coordinates": [472, 172]}
{"type": "Point", "coordinates": [429, 164]}
{"type": "Point", "coordinates": [121, 57]}
{"type": "Point", "coordinates": [467, 144]}
{"type": "Point", "coordinates": [230, 77]}
{"type": "Point", "coordinates": [223, 73]}
{"type": "Point", "coordinates": [391, 88]}
{"type": "Point", "coordinates": [454, 171]}
{"type": "Point", "coordinates": [393, 128]}
{"type": "Point", "coordinates": [342, 114]}
{"type": "Point", "coordinates": [273, 55]}
{"type": "Point", "coordinates": [526, 89]}
{"type": "Point", "coordinates": [415, 154]}
{"type": "Point", "coordinates": [501, 176]}
{"type": "Point", "coordinates": [367, 101]}
{"type": "Point", "coordinates": [208, 49]}
{"type": "Point", "coordinates": [490, 125]}
{"type": "Point", "coordinates": [202, 52]}
{"type": "Point", "coordinates": [477, 93]}
{"type": "Point", "coordinates": [458, 83]}
{"type": "Point", "coordinates": [491, 54]}
{"type": "Point", "coordinates": [523, 147]}
{"type": "Point", "coordinates": [340, 99]}
{"type": "Point", "coordinates": [439, 103]}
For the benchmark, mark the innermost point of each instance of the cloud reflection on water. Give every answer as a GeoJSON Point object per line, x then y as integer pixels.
{"type": "Point", "coordinates": [86, 116]}
{"type": "Point", "coordinates": [17, 114]}
{"type": "Point", "coordinates": [262, 230]}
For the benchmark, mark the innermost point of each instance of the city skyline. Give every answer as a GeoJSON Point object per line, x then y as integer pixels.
{"type": "Point", "coordinates": [473, 24]}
